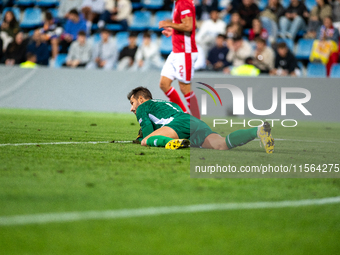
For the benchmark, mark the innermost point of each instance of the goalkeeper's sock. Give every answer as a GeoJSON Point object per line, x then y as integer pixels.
{"type": "Point", "coordinates": [241, 137]}
{"type": "Point", "coordinates": [174, 97]}
{"type": "Point", "coordinates": [193, 104]}
{"type": "Point", "coordinates": [158, 141]}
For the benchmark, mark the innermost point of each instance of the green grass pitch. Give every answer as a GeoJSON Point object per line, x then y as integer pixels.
{"type": "Point", "coordinates": [85, 177]}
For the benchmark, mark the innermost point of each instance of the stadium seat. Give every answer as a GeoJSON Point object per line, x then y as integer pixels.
{"type": "Point", "coordinates": [30, 33]}
{"type": "Point", "coordinates": [141, 21]}
{"type": "Point", "coordinates": [310, 4]}
{"type": "Point", "coordinates": [60, 60]}
{"type": "Point", "coordinates": [335, 71]}
{"type": "Point", "coordinates": [246, 31]}
{"type": "Point", "coordinates": [15, 10]}
{"type": "Point", "coordinates": [153, 4]}
{"type": "Point", "coordinates": [285, 3]}
{"type": "Point", "coordinates": [316, 70]}
{"type": "Point", "coordinates": [54, 12]}
{"type": "Point", "coordinates": [289, 43]}
{"type": "Point", "coordinates": [94, 27]}
{"type": "Point", "coordinates": [47, 3]}
{"type": "Point", "coordinates": [304, 48]}
{"type": "Point", "coordinates": [227, 18]}
{"type": "Point", "coordinates": [94, 39]}
{"type": "Point", "coordinates": [159, 16]}
{"type": "Point", "coordinates": [122, 40]}
{"type": "Point", "coordinates": [166, 45]}
{"type": "Point", "coordinates": [222, 4]}
{"type": "Point", "coordinates": [24, 3]}
{"type": "Point", "coordinates": [136, 6]}
{"type": "Point", "coordinates": [301, 33]}
{"type": "Point", "coordinates": [111, 27]}
{"type": "Point", "coordinates": [262, 4]}
{"type": "Point", "coordinates": [32, 18]}
{"type": "Point", "coordinates": [114, 27]}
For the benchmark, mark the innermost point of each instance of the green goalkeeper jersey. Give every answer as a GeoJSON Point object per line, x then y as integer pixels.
{"type": "Point", "coordinates": [155, 113]}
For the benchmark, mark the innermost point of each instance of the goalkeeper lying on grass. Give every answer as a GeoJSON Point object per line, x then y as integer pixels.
{"type": "Point", "coordinates": [164, 124]}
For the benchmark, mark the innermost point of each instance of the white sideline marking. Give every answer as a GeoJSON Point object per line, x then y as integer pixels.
{"type": "Point", "coordinates": [154, 211]}
{"type": "Point", "coordinates": [98, 142]}
{"type": "Point", "coordinates": [23, 144]}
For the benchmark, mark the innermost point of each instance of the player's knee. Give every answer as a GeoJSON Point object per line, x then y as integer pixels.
{"type": "Point", "coordinates": [182, 90]}
{"type": "Point", "coordinates": [185, 88]}
{"type": "Point", "coordinates": [221, 146]}
{"type": "Point", "coordinates": [164, 86]}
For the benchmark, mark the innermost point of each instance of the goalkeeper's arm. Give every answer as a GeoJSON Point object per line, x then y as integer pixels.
{"type": "Point", "coordinates": [139, 137]}
{"type": "Point", "coordinates": [144, 132]}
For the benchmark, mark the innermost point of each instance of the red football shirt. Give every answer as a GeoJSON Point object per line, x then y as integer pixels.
{"type": "Point", "coordinates": [181, 41]}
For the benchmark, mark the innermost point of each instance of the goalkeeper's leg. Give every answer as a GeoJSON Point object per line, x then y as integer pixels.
{"type": "Point", "coordinates": [168, 143]}
{"type": "Point", "coordinates": [162, 135]}
{"type": "Point", "coordinates": [165, 137]}
{"type": "Point", "coordinates": [241, 137]}
{"type": "Point", "coordinates": [158, 141]}
{"type": "Point", "coordinates": [234, 139]}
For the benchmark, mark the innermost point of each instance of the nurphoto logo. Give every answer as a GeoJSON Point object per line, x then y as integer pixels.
{"type": "Point", "coordinates": [302, 96]}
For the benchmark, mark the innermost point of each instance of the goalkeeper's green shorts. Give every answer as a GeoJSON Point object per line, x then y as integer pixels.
{"type": "Point", "coordinates": [189, 127]}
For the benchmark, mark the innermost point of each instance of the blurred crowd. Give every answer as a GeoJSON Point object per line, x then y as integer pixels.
{"type": "Point", "coordinates": [239, 39]}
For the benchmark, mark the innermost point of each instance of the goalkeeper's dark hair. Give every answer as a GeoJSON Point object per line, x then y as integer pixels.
{"type": "Point", "coordinates": [140, 91]}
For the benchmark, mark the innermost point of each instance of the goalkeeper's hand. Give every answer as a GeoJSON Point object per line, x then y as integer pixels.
{"type": "Point", "coordinates": [139, 137]}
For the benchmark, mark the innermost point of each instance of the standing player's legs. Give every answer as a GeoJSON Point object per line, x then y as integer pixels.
{"type": "Point", "coordinates": [190, 98]}
{"type": "Point", "coordinates": [186, 68]}
{"type": "Point", "coordinates": [180, 66]}
{"type": "Point", "coordinates": [168, 74]}
{"type": "Point", "coordinates": [170, 92]}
